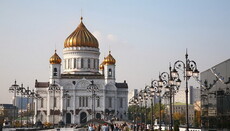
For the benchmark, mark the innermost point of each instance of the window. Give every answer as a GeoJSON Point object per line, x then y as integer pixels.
{"type": "Point", "coordinates": [41, 102]}
{"type": "Point", "coordinates": [74, 63]}
{"type": "Point", "coordinates": [55, 72]}
{"type": "Point", "coordinates": [94, 63]}
{"type": "Point", "coordinates": [83, 101]}
{"type": "Point", "coordinates": [79, 101]}
{"type": "Point", "coordinates": [121, 103]}
{"type": "Point", "coordinates": [110, 102]}
{"type": "Point", "coordinates": [82, 64]}
{"type": "Point", "coordinates": [98, 102]}
{"type": "Point", "coordinates": [110, 72]}
{"type": "Point", "coordinates": [68, 103]}
{"type": "Point", "coordinates": [55, 102]}
{"type": "Point", "coordinates": [88, 63]}
{"type": "Point", "coordinates": [86, 101]}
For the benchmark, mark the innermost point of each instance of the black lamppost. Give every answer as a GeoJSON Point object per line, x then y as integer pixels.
{"type": "Point", "coordinates": [66, 96]}
{"type": "Point", "coordinates": [32, 95]}
{"type": "Point", "coordinates": [54, 88]}
{"type": "Point", "coordinates": [93, 88]}
{"type": "Point", "coordinates": [189, 68]}
{"type": "Point", "coordinates": [21, 90]}
{"type": "Point", "coordinates": [27, 94]}
{"type": "Point", "coordinates": [13, 89]}
{"type": "Point", "coordinates": [157, 85]}
{"type": "Point", "coordinates": [135, 101]}
{"type": "Point", "coordinates": [172, 84]}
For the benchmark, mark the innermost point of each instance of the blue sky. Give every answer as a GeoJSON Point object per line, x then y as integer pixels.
{"type": "Point", "coordinates": [144, 36]}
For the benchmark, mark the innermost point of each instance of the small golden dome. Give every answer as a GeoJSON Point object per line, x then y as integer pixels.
{"type": "Point", "coordinates": [81, 37]}
{"type": "Point", "coordinates": [55, 59]}
{"type": "Point", "coordinates": [109, 60]}
{"type": "Point", "coordinates": [101, 67]}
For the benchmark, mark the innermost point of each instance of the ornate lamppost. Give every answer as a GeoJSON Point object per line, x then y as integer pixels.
{"type": "Point", "coordinates": [32, 95]}
{"type": "Point", "coordinates": [13, 89]}
{"type": "Point", "coordinates": [172, 84]}
{"type": "Point", "coordinates": [158, 85]}
{"type": "Point", "coordinates": [151, 92]}
{"type": "Point", "coordinates": [22, 91]}
{"type": "Point", "coordinates": [54, 88]}
{"type": "Point", "coordinates": [93, 88]}
{"type": "Point", "coordinates": [66, 96]}
{"type": "Point", "coordinates": [189, 69]}
{"type": "Point", "coordinates": [27, 94]}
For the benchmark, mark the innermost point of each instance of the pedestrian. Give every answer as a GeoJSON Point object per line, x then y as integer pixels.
{"type": "Point", "coordinates": [105, 127]}
{"type": "Point", "coordinates": [90, 127]}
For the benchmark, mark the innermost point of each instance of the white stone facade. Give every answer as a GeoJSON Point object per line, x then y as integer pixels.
{"type": "Point", "coordinates": [80, 67]}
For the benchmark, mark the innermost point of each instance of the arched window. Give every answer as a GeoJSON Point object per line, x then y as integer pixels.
{"type": "Point", "coordinates": [98, 102]}
{"type": "Point", "coordinates": [41, 102]}
{"type": "Point", "coordinates": [110, 72]}
{"type": "Point", "coordinates": [55, 72]}
{"type": "Point", "coordinates": [74, 63]}
{"type": "Point", "coordinates": [89, 63]}
{"type": "Point", "coordinates": [82, 63]}
{"type": "Point", "coordinates": [68, 102]}
{"type": "Point", "coordinates": [94, 63]}
{"type": "Point", "coordinates": [55, 102]}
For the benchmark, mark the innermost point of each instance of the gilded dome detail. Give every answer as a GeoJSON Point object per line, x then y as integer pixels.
{"type": "Point", "coordinates": [55, 59]}
{"type": "Point", "coordinates": [109, 60]}
{"type": "Point", "coordinates": [81, 37]}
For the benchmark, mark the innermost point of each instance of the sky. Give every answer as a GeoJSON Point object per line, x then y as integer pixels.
{"type": "Point", "coordinates": [143, 36]}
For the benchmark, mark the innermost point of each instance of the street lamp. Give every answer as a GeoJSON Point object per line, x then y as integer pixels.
{"type": "Point", "coordinates": [134, 101]}
{"type": "Point", "coordinates": [157, 85]}
{"type": "Point", "coordinates": [172, 84]}
{"type": "Point", "coordinates": [189, 69]}
{"type": "Point", "coordinates": [93, 88]}
{"type": "Point", "coordinates": [66, 96]}
{"type": "Point", "coordinates": [54, 88]}
{"type": "Point", "coordinates": [13, 89]}
{"type": "Point", "coordinates": [21, 90]}
{"type": "Point", "coordinates": [27, 93]}
{"type": "Point", "coordinates": [32, 95]}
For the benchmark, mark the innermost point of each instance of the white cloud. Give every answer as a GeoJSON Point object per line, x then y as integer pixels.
{"type": "Point", "coordinates": [111, 37]}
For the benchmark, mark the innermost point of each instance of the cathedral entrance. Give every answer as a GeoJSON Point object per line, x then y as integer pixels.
{"type": "Point", "coordinates": [98, 116]}
{"type": "Point", "coordinates": [68, 118]}
{"type": "Point", "coordinates": [83, 117]}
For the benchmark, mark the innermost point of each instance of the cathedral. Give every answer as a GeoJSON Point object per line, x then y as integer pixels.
{"type": "Point", "coordinates": [85, 89]}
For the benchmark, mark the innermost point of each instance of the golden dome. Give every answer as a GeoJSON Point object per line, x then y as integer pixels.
{"type": "Point", "coordinates": [101, 67]}
{"type": "Point", "coordinates": [109, 60]}
{"type": "Point", "coordinates": [55, 59]}
{"type": "Point", "coordinates": [81, 37]}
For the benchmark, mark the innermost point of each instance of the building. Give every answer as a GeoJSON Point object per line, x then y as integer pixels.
{"type": "Point", "coordinates": [91, 88]}
{"type": "Point", "coordinates": [22, 102]}
{"type": "Point", "coordinates": [194, 94]}
{"type": "Point", "coordinates": [215, 96]}
{"type": "Point", "coordinates": [181, 109]}
{"type": "Point", "coordinates": [8, 111]}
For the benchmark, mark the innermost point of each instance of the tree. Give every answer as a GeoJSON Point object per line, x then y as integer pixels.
{"type": "Point", "coordinates": [179, 117]}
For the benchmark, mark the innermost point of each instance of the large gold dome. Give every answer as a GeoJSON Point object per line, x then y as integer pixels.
{"type": "Point", "coordinates": [55, 59]}
{"type": "Point", "coordinates": [81, 37]}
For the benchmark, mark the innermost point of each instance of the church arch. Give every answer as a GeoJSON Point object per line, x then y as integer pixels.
{"type": "Point", "coordinates": [68, 118]}
{"type": "Point", "coordinates": [83, 117]}
{"type": "Point", "coordinates": [98, 116]}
